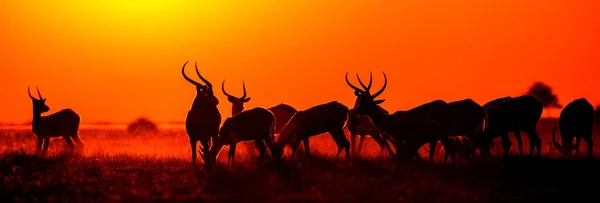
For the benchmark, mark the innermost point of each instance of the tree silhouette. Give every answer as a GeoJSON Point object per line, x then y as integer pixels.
{"type": "Point", "coordinates": [142, 126]}
{"type": "Point", "coordinates": [543, 92]}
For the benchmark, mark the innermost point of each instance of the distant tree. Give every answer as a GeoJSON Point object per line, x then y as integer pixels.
{"type": "Point", "coordinates": [142, 126]}
{"type": "Point", "coordinates": [543, 92]}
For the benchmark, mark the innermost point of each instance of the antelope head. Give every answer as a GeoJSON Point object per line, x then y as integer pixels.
{"type": "Point", "coordinates": [566, 147]}
{"type": "Point", "coordinates": [237, 104]}
{"type": "Point", "coordinates": [39, 105]}
{"type": "Point", "coordinates": [204, 93]}
{"type": "Point", "coordinates": [365, 101]}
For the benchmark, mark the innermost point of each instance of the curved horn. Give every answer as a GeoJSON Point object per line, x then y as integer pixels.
{"type": "Point", "coordinates": [202, 78]}
{"type": "Point", "coordinates": [187, 78]}
{"type": "Point", "coordinates": [384, 85]}
{"type": "Point", "coordinates": [223, 89]}
{"type": "Point", "coordinates": [39, 94]}
{"type": "Point", "coordinates": [352, 86]}
{"type": "Point", "coordinates": [554, 142]}
{"type": "Point", "coordinates": [367, 88]}
{"type": "Point", "coordinates": [244, 87]}
{"type": "Point", "coordinates": [29, 92]}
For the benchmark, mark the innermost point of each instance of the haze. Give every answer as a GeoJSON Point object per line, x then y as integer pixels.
{"type": "Point", "coordinates": [117, 60]}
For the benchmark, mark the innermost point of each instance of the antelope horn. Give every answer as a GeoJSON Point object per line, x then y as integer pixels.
{"type": "Point", "coordinates": [244, 87]}
{"type": "Point", "coordinates": [367, 88]}
{"type": "Point", "coordinates": [187, 78]}
{"type": "Point", "coordinates": [223, 89]}
{"type": "Point", "coordinates": [29, 92]}
{"type": "Point", "coordinates": [352, 86]}
{"type": "Point", "coordinates": [554, 141]}
{"type": "Point", "coordinates": [384, 85]}
{"type": "Point", "coordinates": [39, 94]}
{"type": "Point", "coordinates": [202, 78]}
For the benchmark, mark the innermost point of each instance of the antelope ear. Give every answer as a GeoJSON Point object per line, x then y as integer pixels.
{"type": "Point", "coordinates": [379, 101]}
{"type": "Point", "coordinates": [247, 99]}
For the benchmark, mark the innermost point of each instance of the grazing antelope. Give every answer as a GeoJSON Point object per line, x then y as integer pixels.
{"type": "Point", "coordinates": [203, 119]}
{"type": "Point", "coordinates": [329, 117]}
{"type": "Point", "coordinates": [411, 126]}
{"type": "Point", "coordinates": [255, 124]}
{"type": "Point", "coordinates": [467, 119]}
{"type": "Point", "coordinates": [576, 121]}
{"type": "Point", "coordinates": [64, 123]}
{"type": "Point", "coordinates": [237, 104]}
{"type": "Point", "coordinates": [283, 113]}
{"type": "Point", "coordinates": [513, 115]}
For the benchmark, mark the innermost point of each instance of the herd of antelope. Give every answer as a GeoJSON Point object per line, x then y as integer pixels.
{"type": "Point", "coordinates": [462, 126]}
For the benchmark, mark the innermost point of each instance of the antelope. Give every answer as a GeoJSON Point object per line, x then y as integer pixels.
{"type": "Point", "coordinates": [329, 117]}
{"type": "Point", "coordinates": [283, 113]}
{"type": "Point", "coordinates": [254, 124]}
{"type": "Point", "coordinates": [413, 126]}
{"type": "Point", "coordinates": [64, 123]}
{"type": "Point", "coordinates": [467, 119]}
{"type": "Point", "coordinates": [203, 119]}
{"type": "Point", "coordinates": [362, 125]}
{"type": "Point", "coordinates": [576, 121]}
{"type": "Point", "coordinates": [237, 104]}
{"type": "Point", "coordinates": [513, 115]}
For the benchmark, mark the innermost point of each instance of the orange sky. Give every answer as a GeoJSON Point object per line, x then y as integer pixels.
{"type": "Point", "coordinates": [114, 60]}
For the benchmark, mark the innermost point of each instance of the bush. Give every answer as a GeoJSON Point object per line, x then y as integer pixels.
{"type": "Point", "coordinates": [142, 126]}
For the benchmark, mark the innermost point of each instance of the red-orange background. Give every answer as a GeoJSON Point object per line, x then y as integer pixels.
{"type": "Point", "coordinates": [115, 60]}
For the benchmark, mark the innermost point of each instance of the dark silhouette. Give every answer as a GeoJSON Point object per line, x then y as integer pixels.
{"type": "Point", "coordinates": [576, 120]}
{"type": "Point", "coordinates": [254, 124]}
{"type": "Point", "coordinates": [142, 126]}
{"type": "Point", "coordinates": [495, 102]}
{"type": "Point", "coordinates": [203, 118]}
{"type": "Point", "coordinates": [544, 94]}
{"type": "Point", "coordinates": [329, 117]}
{"type": "Point", "coordinates": [410, 126]}
{"type": "Point", "coordinates": [467, 119]}
{"type": "Point", "coordinates": [283, 113]}
{"type": "Point", "coordinates": [597, 115]}
{"type": "Point", "coordinates": [513, 115]}
{"type": "Point", "coordinates": [64, 123]}
{"type": "Point", "coordinates": [362, 125]}
{"type": "Point", "coordinates": [451, 146]}
{"type": "Point", "coordinates": [237, 104]}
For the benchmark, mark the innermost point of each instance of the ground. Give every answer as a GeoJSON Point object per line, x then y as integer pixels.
{"type": "Point", "coordinates": [118, 167]}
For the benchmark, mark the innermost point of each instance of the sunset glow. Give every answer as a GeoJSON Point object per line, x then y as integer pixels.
{"type": "Point", "coordinates": [117, 60]}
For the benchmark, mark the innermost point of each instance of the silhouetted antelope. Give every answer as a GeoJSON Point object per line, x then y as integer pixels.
{"type": "Point", "coordinates": [237, 104]}
{"type": "Point", "coordinates": [203, 118]}
{"type": "Point", "coordinates": [254, 124]}
{"type": "Point", "coordinates": [362, 125]}
{"type": "Point", "coordinates": [411, 126]}
{"type": "Point", "coordinates": [513, 115]}
{"type": "Point", "coordinates": [283, 113]}
{"type": "Point", "coordinates": [576, 121]}
{"type": "Point", "coordinates": [329, 117]}
{"type": "Point", "coordinates": [64, 123]}
{"type": "Point", "coordinates": [467, 119]}
{"type": "Point", "coordinates": [496, 102]}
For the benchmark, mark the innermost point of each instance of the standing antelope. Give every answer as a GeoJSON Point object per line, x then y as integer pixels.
{"type": "Point", "coordinates": [237, 104]}
{"type": "Point", "coordinates": [412, 126]}
{"type": "Point", "coordinates": [329, 117]}
{"type": "Point", "coordinates": [203, 119]}
{"type": "Point", "coordinates": [576, 121]}
{"type": "Point", "coordinates": [362, 125]}
{"type": "Point", "coordinates": [282, 112]}
{"type": "Point", "coordinates": [255, 124]}
{"type": "Point", "coordinates": [513, 115]}
{"type": "Point", "coordinates": [64, 123]}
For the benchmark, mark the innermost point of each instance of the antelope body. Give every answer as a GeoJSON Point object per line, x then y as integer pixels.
{"type": "Point", "coordinates": [329, 117]}
{"type": "Point", "coordinates": [255, 124]}
{"type": "Point", "coordinates": [513, 115]}
{"type": "Point", "coordinates": [361, 125]}
{"type": "Point", "coordinates": [283, 113]}
{"type": "Point", "coordinates": [64, 123]}
{"type": "Point", "coordinates": [203, 119]}
{"type": "Point", "coordinates": [576, 121]}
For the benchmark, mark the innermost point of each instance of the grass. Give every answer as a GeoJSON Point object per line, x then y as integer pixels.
{"type": "Point", "coordinates": [118, 167]}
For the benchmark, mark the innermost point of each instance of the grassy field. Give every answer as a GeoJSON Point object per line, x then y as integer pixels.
{"type": "Point", "coordinates": [118, 167]}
